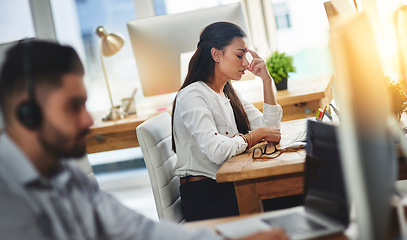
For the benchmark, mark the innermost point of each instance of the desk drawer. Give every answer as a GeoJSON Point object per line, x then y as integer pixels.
{"type": "Point", "coordinates": [98, 141]}
{"type": "Point", "coordinates": [300, 110]}
{"type": "Point", "coordinates": [281, 186]}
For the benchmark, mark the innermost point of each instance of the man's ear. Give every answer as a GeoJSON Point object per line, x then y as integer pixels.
{"type": "Point", "coordinates": [215, 54]}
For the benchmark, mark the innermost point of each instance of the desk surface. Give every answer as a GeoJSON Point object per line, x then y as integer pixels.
{"type": "Point", "coordinates": [256, 180]}
{"type": "Point", "coordinates": [302, 99]}
{"type": "Point", "coordinates": [242, 167]}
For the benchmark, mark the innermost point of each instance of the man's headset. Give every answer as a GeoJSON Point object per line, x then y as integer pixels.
{"type": "Point", "coordinates": [29, 112]}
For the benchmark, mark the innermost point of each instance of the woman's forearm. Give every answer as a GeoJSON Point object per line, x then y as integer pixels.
{"type": "Point", "coordinates": [269, 91]}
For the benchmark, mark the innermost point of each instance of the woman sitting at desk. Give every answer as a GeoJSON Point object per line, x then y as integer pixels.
{"type": "Point", "coordinates": [211, 123]}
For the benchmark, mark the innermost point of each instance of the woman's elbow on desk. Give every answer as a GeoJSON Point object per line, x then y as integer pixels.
{"type": "Point", "coordinates": [223, 151]}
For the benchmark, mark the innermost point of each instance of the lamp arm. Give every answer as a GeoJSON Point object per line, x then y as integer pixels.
{"type": "Point", "coordinates": [107, 82]}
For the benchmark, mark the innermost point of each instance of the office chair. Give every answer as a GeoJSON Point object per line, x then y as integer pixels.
{"type": "Point", "coordinates": [154, 136]}
{"type": "Point", "coordinates": [84, 164]}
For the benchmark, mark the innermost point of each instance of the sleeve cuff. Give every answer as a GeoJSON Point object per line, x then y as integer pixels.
{"type": "Point", "coordinates": [242, 144]}
{"type": "Point", "coordinates": [272, 111]}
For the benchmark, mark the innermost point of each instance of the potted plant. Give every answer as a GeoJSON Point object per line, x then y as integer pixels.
{"type": "Point", "coordinates": [279, 66]}
{"type": "Point", "coordinates": [398, 96]}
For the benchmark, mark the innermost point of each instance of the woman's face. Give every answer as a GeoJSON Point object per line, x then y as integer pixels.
{"type": "Point", "coordinates": [232, 62]}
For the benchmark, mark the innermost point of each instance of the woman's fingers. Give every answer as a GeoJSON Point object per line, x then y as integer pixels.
{"type": "Point", "coordinates": [258, 65]}
{"type": "Point", "coordinates": [256, 62]}
{"type": "Point", "coordinates": [273, 135]}
{"type": "Point", "coordinates": [274, 139]}
{"type": "Point", "coordinates": [253, 53]}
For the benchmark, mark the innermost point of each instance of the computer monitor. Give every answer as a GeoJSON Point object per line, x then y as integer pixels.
{"type": "Point", "coordinates": [367, 147]}
{"type": "Point", "coordinates": [160, 44]}
{"type": "Point", "coordinates": [324, 184]}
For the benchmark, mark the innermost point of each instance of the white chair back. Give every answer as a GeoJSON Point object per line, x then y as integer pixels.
{"type": "Point", "coordinates": [84, 164]}
{"type": "Point", "coordinates": [154, 136]}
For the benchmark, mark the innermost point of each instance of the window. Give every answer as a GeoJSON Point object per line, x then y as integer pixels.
{"type": "Point", "coordinates": [303, 32]}
{"type": "Point", "coordinates": [16, 23]}
{"type": "Point", "coordinates": [120, 68]}
{"type": "Point", "coordinates": [282, 15]}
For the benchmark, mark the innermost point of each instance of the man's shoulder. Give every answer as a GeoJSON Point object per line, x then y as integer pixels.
{"type": "Point", "coordinates": [17, 219]}
{"type": "Point", "coordinates": [78, 175]}
{"type": "Point", "coordinates": [15, 211]}
{"type": "Point", "coordinates": [73, 178]}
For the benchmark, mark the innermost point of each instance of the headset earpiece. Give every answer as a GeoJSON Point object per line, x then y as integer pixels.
{"type": "Point", "coordinates": [29, 112]}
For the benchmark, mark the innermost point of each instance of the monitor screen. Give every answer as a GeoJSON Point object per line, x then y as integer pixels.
{"type": "Point", "coordinates": [324, 184]}
{"type": "Point", "coordinates": [160, 44]}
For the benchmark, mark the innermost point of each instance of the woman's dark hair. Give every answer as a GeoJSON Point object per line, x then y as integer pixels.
{"type": "Point", "coordinates": [202, 68]}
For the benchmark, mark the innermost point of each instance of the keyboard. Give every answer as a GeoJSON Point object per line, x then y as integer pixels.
{"type": "Point", "coordinates": [301, 137]}
{"type": "Point", "coordinates": [294, 223]}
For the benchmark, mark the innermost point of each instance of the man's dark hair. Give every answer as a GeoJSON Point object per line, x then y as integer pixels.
{"type": "Point", "coordinates": [48, 62]}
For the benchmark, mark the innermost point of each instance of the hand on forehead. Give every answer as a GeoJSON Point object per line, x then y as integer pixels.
{"type": "Point", "coordinates": [251, 54]}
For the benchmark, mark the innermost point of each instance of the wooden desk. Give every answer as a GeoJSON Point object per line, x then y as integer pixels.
{"type": "Point", "coordinates": [302, 99]}
{"type": "Point", "coordinates": [114, 135]}
{"type": "Point", "coordinates": [256, 180]}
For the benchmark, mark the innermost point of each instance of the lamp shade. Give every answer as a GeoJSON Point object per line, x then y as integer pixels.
{"type": "Point", "coordinates": [109, 43]}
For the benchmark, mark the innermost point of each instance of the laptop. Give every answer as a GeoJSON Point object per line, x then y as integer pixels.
{"type": "Point", "coordinates": [325, 210]}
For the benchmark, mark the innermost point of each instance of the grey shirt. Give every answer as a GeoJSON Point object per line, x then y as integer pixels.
{"type": "Point", "coordinates": [68, 206]}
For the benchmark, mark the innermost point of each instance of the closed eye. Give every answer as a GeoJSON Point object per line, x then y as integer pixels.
{"type": "Point", "coordinates": [240, 57]}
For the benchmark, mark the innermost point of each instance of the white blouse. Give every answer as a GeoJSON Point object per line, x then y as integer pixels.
{"type": "Point", "coordinates": [204, 129]}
